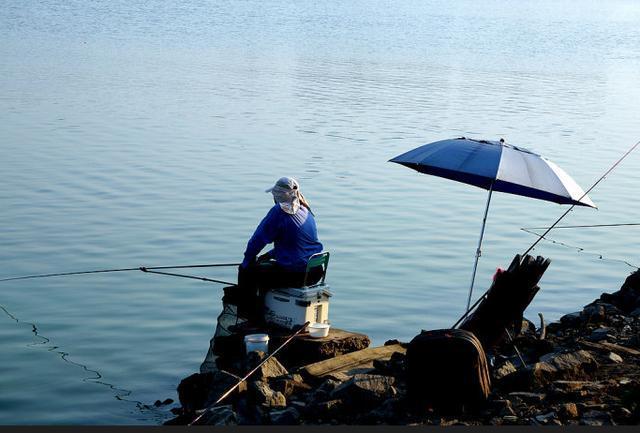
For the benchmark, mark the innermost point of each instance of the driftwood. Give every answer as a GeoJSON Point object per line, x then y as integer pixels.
{"type": "Point", "coordinates": [351, 360]}
{"type": "Point", "coordinates": [609, 347]}
{"type": "Point", "coordinates": [510, 294]}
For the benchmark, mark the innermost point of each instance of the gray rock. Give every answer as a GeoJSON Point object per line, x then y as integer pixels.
{"type": "Point", "coordinates": [502, 408]}
{"type": "Point", "coordinates": [568, 411]}
{"type": "Point", "coordinates": [202, 389]}
{"type": "Point", "coordinates": [389, 412]}
{"type": "Point", "coordinates": [329, 385]}
{"type": "Point", "coordinates": [615, 358]}
{"type": "Point", "coordinates": [504, 370]}
{"type": "Point", "coordinates": [365, 390]}
{"type": "Point", "coordinates": [592, 406]}
{"type": "Point", "coordinates": [576, 386]}
{"type": "Point", "coordinates": [263, 395]}
{"type": "Point", "coordinates": [541, 373]}
{"type": "Point", "coordinates": [600, 334]}
{"type": "Point", "coordinates": [573, 365]}
{"type": "Point", "coordinates": [254, 358]}
{"type": "Point", "coordinates": [271, 368]}
{"type": "Point", "coordinates": [530, 378]}
{"type": "Point", "coordinates": [545, 418]}
{"type": "Point", "coordinates": [297, 377]}
{"type": "Point", "coordinates": [599, 311]}
{"type": "Point", "coordinates": [596, 418]}
{"type": "Point", "coordinates": [301, 406]}
{"type": "Point", "coordinates": [528, 397]}
{"type": "Point", "coordinates": [220, 415]}
{"type": "Point", "coordinates": [289, 416]}
{"type": "Point", "coordinates": [594, 313]}
{"type": "Point", "coordinates": [571, 319]}
{"type": "Point", "coordinates": [288, 386]}
{"type": "Point", "coordinates": [622, 413]}
{"type": "Point", "coordinates": [326, 409]}
{"type": "Point", "coordinates": [250, 414]}
{"type": "Point", "coordinates": [635, 313]}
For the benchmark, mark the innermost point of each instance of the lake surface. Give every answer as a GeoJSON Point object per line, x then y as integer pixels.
{"type": "Point", "coordinates": [145, 133]}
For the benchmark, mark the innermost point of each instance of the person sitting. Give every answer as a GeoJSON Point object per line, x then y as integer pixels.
{"type": "Point", "coordinates": [291, 227]}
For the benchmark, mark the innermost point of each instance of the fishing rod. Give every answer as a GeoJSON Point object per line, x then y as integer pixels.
{"type": "Point", "coordinates": [524, 255]}
{"type": "Point", "coordinates": [526, 229]}
{"type": "Point", "coordinates": [139, 268]}
{"type": "Point", "coordinates": [230, 390]}
{"type": "Point", "coordinates": [143, 269]}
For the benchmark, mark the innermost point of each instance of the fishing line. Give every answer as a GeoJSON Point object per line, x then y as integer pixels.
{"type": "Point", "coordinates": [120, 393]}
{"type": "Point", "coordinates": [139, 268]}
{"type": "Point", "coordinates": [583, 196]}
{"type": "Point", "coordinates": [580, 249]}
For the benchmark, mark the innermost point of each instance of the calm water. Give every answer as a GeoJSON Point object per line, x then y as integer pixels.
{"type": "Point", "coordinates": [146, 134]}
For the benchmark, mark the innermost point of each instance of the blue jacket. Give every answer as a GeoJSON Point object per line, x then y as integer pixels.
{"type": "Point", "coordinates": [294, 237]}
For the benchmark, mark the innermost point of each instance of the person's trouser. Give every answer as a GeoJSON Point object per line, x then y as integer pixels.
{"type": "Point", "coordinates": [255, 280]}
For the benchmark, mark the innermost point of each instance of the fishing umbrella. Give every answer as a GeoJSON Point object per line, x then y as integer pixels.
{"type": "Point", "coordinates": [495, 166]}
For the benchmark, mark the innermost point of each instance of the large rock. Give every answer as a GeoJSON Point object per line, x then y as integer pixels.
{"type": "Point", "coordinates": [365, 391]}
{"type": "Point", "coordinates": [271, 368]}
{"type": "Point", "coordinates": [546, 418]}
{"type": "Point", "coordinates": [289, 416]}
{"type": "Point", "coordinates": [220, 415]}
{"type": "Point", "coordinates": [572, 365]}
{"type": "Point", "coordinates": [600, 334]}
{"type": "Point", "coordinates": [569, 411]}
{"type": "Point", "coordinates": [325, 410]}
{"type": "Point", "coordinates": [572, 390]}
{"type": "Point", "coordinates": [391, 411]}
{"type": "Point", "coordinates": [200, 390]}
{"type": "Point", "coordinates": [527, 397]}
{"type": "Point", "coordinates": [596, 418]}
{"type": "Point", "coordinates": [289, 385]}
{"type": "Point", "coordinates": [504, 370]}
{"type": "Point", "coordinates": [263, 395]}
{"type": "Point", "coordinates": [571, 319]}
{"type": "Point", "coordinates": [554, 366]}
{"type": "Point", "coordinates": [627, 299]}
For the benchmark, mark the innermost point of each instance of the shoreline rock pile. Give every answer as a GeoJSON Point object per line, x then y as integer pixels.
{"type": "Point", "coordinates": [582, 370]}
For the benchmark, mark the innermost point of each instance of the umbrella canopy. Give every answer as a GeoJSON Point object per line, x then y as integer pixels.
{"type": "Point", "coordinates": [495, 166]}
{"type": "Point", "coordinates": [498, 166]}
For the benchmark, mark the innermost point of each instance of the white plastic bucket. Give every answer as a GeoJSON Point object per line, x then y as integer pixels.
{"type": "Point", "coordinates": [319, 330]}
{"type": "Point", "coordinates": [254, 342]}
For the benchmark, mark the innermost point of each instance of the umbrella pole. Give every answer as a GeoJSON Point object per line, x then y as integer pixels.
{"type": "Point", "coordinates": [478, 251]}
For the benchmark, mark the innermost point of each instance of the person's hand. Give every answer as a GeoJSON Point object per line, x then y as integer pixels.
{"type": "Point", "coordinates": [264, 258]}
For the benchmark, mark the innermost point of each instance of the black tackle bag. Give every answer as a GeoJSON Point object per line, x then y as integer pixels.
{"type": "Point", "coordinates": [447, 371]}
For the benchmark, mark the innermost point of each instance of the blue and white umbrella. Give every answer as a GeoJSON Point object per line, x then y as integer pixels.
{"type": "Point", "coordinates": [495, 166]}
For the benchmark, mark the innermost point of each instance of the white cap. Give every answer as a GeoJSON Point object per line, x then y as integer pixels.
{"type": "Point", "coordinates": [286, 183]}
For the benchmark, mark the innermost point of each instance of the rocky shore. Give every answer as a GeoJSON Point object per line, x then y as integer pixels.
{"type": "Point", "coordinates": [582, 370]}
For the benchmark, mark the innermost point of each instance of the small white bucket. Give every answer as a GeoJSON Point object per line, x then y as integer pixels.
{"type": "Point", "coordinates": [319, 330]}
{"type": "Point", "coordinates": [254, 342]}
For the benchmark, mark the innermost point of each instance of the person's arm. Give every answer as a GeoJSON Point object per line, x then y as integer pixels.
{"type": "Point", "coordinates": [265, 234]}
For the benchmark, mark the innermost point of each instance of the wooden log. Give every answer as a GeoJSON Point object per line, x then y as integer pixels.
{"type": "Point", "coordinates": [349, 361]}
{"type": "Point", "coordinates": [609, 347]}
